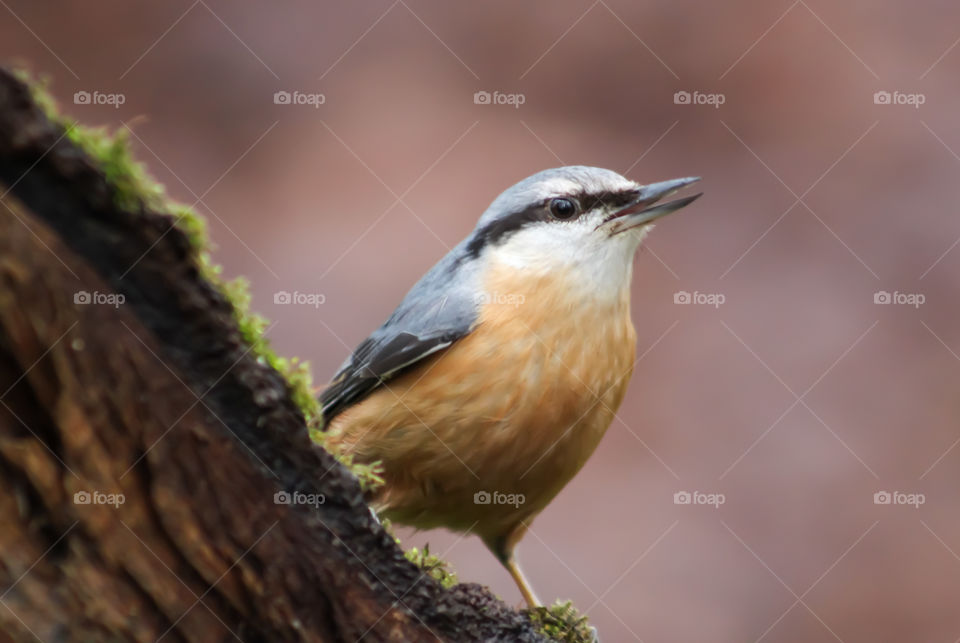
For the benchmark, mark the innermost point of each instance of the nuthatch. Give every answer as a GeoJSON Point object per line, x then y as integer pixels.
{"type": "Point", "coordinates": [494, 379]}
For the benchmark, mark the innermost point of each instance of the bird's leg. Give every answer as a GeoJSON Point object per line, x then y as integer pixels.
{"type": "Point", "coordinates": [522, 584]}
{"type": "Point", "coordinates": [502, 547]}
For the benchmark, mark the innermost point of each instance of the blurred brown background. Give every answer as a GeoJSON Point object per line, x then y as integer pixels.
{"type": "Point", "coordinates": [798, 398]}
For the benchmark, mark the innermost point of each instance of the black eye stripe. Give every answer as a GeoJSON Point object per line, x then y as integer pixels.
{"type": "Point", "coordinates": [497, 230]}
{"type": "Point", "coordinates": [607, 199]}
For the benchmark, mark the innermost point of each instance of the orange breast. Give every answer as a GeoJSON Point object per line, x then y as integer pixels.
{"type": "Point", "coordinates": [516, 407]}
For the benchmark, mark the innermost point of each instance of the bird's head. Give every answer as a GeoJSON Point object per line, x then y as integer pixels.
{"type": "Point", "coordinates": [582, 219]}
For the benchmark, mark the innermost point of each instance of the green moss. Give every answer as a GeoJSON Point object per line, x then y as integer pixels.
{"type": "Point", "coordinates": [434, 567]}
{"type": "Point", "coordinates": [131, 183]}
{"type": "Point", "coordinates": [38, 90]}
{"type": "Point", "coordinates": [562, 622]}
{"type": "Point", "coordinates": [431, 564]}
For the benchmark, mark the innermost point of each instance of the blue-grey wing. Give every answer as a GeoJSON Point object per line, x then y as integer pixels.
{"type": "Point", "coordinates": [440, 309]}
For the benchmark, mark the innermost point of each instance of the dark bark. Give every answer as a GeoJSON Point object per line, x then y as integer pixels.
{"type": "Point", "coordinates": [158, 399]}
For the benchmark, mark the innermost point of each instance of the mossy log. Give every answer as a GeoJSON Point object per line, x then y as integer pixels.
{"type": "Point", "coordinates": [142, 442]}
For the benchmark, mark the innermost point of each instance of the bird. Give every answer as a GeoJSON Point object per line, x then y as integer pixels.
{"type": "Point", "coordinates": [493, 381]}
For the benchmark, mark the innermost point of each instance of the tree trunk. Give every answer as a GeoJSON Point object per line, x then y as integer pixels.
{"type": "Point", "coordinates": [142, 444]}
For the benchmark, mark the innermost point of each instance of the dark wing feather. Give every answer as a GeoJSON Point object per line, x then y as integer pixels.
{"type": "Point", "coordinates": [440, 309]}
{"type": "Point", "coordinates": [374, 363]}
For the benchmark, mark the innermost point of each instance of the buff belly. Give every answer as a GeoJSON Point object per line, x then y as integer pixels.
{"type": "Point", "coordinates": [513, 410]}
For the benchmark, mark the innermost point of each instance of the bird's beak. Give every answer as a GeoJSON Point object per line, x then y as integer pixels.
{"type": "Point", "coordinates": [643, 210]}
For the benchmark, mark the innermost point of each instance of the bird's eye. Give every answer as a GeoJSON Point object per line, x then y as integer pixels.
{"type": "Point", "coordinates": [563, 208]}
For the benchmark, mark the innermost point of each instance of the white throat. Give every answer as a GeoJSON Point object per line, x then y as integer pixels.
{"type": "Point", "coordinates": [597, 265]}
